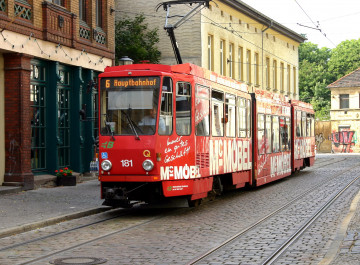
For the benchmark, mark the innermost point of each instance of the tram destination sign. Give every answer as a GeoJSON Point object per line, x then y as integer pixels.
{"type": "Point", "coordinates": [130, 82]}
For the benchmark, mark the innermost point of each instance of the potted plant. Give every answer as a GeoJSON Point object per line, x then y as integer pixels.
{"type": "Point", "coordinates": [65, 177]}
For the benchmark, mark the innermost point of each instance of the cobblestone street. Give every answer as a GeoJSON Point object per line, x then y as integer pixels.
{"type": "Point", "coordinates": [168, 235]}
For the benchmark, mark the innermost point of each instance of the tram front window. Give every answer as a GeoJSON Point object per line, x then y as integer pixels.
{"type": "Point", "coordinates": [129, 105]}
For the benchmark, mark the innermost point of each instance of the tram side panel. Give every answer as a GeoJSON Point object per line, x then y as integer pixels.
{"type": "Point", "coordinates": [272, 130]}
{"type": "Point", "coordinates": [303, 134]}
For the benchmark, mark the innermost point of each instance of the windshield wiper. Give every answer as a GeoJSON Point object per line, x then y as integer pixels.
{"type": "Point", "coordinates": [131, 124]}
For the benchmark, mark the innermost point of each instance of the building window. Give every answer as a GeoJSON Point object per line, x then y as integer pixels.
{"type": "Point", "coordinates": [231, 60]}
{"type": "Point", "coordinates": [282, 70]}
{"type": "Point", "coordinates": [58, 2]}
{"type": "Point", "coordinates": [267, 76]}
{"type": "Point", "coordinates": [240, 64]}
{"type": "Point", "coordinates": [210, 52]}
{"type": "Point", "coordinates": [288, 79]}
{"type": "Point", "coordinates": [82, 10]}
{"type": "Point", "coordinates": [248, 66]}
{"type": "Point", "coordinates": [256, 68]}
{"type": "Point", "coordinates": [294, 80]}
{"type": "Point", "coordinates": [344, 101]}
{"type": "Point", "coordinates": [222, 57]}
{"type": "Point", "coordinates": [275, 75]}
{"type": "Point", "coordinates": [99, 13]}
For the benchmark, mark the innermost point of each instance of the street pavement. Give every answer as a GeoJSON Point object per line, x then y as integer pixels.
{"type": "Point", "coordinates": [27, 210]}
{"type": "Point", "coordinates": [22, 211]}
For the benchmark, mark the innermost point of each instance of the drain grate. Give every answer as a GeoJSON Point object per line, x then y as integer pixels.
{"type": "Point", "coordinates": [78, 261]}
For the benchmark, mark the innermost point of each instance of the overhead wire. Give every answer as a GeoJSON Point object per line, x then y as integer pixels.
{"type": "Point", "coordinates": [317, 26]}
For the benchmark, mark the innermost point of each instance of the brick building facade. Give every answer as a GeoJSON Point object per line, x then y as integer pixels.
{"type": "Point", "coordinates": [50, 51]}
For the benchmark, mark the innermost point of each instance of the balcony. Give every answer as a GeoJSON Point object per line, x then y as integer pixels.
{"type": "Point", "coordinates": [59, 24]}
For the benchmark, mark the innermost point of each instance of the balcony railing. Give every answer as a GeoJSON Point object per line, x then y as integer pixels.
{"type": "Point", "coordinates": [22, 9]}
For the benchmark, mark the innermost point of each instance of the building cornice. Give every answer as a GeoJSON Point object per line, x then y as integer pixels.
{"type": "Point", "coordinates": [256, 15]}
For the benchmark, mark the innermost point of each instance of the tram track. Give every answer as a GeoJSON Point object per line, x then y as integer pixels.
{"type": "Point", "coordinates": [277, 253]}
{"type": "Point", "coordinates": [67, 233]}
{"type": "Point", "coordinates": [148, 221]}
{"type": "Point", "coordinates": [271, 259]}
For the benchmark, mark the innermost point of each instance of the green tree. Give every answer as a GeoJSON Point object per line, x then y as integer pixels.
{"type": "Point", "coordinates": [320, 67]}
{"type": "Point", "coordinates": [134, 39]}
{"type": "Point", "coordinates": [314, 76]}
{"type": "Point", "coordinates": [345, 58]}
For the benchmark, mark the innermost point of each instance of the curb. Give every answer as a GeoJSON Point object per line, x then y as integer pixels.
{"type": "Point", "coordinates": [51, 221]}
{"type": "Point", "coordinates": [9, 190]}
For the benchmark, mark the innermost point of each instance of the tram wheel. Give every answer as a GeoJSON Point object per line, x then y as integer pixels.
{"type": "Point", "coordinates": [194, 203]}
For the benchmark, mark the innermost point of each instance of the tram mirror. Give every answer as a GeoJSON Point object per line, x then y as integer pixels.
{"type": "Point", "coordinates": [82, 112]}
{"type": "Point", "coordinates": [110, 126]}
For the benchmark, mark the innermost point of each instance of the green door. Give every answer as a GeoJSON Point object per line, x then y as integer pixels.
{"type": "Point", "coordinates": [38, 84]}
{"type": "Point", "coordinates": [63, 118]}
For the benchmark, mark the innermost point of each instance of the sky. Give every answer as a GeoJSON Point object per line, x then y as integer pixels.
{"type": "Point", "coordinates": [330, 21]}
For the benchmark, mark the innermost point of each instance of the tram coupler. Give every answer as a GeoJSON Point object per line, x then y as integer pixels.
{"type": "Point", "coordinates": [115, 197]}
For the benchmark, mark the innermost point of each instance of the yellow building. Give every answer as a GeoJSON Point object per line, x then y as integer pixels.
{"type": "Point", "coordinates": [345, 113]}
{"type": "Point", "coordinates": [230, 38]}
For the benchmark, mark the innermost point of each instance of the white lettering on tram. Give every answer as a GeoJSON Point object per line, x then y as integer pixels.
{"type": "Point", "coordinates": [280, 164]}
{"type": "Point", "coordinates": [179, 172]}
{"type": "Point", "coordinates": [231, 155]}
{"type": "Point", "coordinates": [302, 148]}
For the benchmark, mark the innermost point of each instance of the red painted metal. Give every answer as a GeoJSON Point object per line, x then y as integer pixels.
{"type": "Point", "coordinates": [185, 165]}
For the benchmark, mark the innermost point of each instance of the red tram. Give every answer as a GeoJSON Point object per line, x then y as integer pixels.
{"type": "Point", "coordinates": [182, 130]}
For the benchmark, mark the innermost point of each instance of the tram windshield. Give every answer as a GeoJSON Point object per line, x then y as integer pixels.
{"type": "Point", "coordinates": [129, 105]}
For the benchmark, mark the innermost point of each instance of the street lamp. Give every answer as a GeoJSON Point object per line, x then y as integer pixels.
{"type": "Point", "coordinates": [125, 60]}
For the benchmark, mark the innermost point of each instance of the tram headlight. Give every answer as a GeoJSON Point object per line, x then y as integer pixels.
{"type": "Point", "coordinates": [106, 165]}
{"type": "Point", "coordinates": [148, 165]}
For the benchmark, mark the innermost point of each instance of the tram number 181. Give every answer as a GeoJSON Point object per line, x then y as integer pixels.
{"type": "Point", "coordinates": [126, 163]}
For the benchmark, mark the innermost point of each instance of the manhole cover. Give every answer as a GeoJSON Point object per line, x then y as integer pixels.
{"type": "Point", "coordinates": [78, 261]}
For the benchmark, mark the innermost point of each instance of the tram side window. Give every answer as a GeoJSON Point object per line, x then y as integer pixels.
{"type": "Point", "coordinates": [275, 134]}
{"type": "Point", "coordinates": [248, 117]}
{"type": "Point", "coordinates": [268, 130]}
{"type": "Point", "coordinates": [183, 108]}
{"type": "Point", "coordinates": [303, 124]}
{"type": "Point", "coordinates": [230, 109]}
{"type": "Point", "coordinates": [241, 117]}
{"type": "Point", "coordinates": [298, 123]}
{"type": "Point", "coordinates": [284, 134]}
{"type": "Point", "coordinates": [217, 113]}
{"type": "Point", "coordinates": [288, 129]}
{"type": "Point", "coordinates": [261, 134]}
{"type": "Point", "coordinates": [312, 125]}
{"type": "Point", "coordinates": [166, 110]}
{"type": "Point", "coordinates": [202, 111]}
{"type": "Point", "coordinates": [308, 125]}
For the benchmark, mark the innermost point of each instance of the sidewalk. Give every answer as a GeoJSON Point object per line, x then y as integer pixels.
{"type": "Point", "coordinates": [26, 210]}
